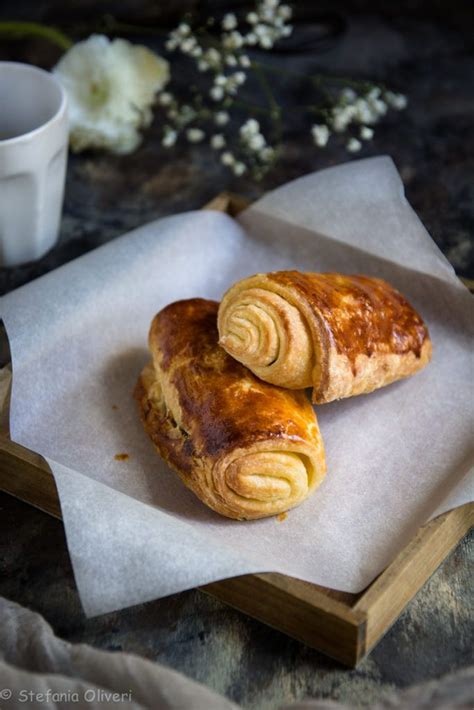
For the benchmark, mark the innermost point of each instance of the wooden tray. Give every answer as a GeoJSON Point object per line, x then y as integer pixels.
{"type": "Point", "coordinates": [344, 626]}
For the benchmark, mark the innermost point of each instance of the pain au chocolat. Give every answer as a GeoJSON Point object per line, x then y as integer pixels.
{"type": "Point", "coordinates": [341, 335]}
{"type": "Point", "coordinates": [246, 448]}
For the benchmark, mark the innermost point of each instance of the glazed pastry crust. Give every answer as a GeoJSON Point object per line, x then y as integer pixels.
{"type": "Point", "coordinates": [341, 335]}
{"type": "Point", "coordinates": [247, 449]}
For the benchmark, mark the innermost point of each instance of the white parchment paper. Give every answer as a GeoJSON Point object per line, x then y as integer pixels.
{"type": "Point", "coordinates": [396, 458]}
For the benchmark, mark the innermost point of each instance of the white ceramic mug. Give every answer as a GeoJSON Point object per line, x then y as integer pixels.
{"type": "Point", "coordinates": [33, 156]}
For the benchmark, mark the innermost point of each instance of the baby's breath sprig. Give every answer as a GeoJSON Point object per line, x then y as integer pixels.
{"type": "Point", "coordinates": [345, 107]}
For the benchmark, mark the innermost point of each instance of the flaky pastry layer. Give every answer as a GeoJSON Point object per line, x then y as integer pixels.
{"type": "Point", "coordinates": [247, 449]}
{"type": "Point", "coordinates": [341, 335]}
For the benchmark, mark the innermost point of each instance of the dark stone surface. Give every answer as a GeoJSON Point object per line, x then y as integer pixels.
{"type": "Point", "coordinates": [420, 48]}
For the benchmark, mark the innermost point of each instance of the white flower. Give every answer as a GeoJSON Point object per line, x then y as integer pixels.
{"type": "Point", "coordinates": [348, 95]}
{"type": "Point", "coordinates": [256, 142]}
{"type": "Point", "coordinates": [266, 42]}
{"type": "Point", "coordinates": [233, 40]}
{"type": "Point", "coordinates": [220, 80]}
{"type": "Point", "coordinates": [251, 38]}
{"type": "Point", "coordinates": [245, 61]}
{"type": "Point", "coordinates": [353, 145]}
{"type": "Point", "coordinates": [363, 112]}
{"type": "Point", "coordinates": [165, 98]}
{"type": "Point", "coordinates": [366, 133]}
{"type": "Point", "coordinates": [321, 134]}
{"type": "Point", "coordinates": [285, 12]}
{"type": "Point", "coordinates": [396, 101]}
{"type": "Point", "coordinates": [342, 117]}
{"type": "Point", "coordinates": [183, 29]}
{"type": "Point", "coordinates": [227, 158]}
{"type": "Point", "coordinates": [217, 141]}
{"type": "Point", "coordinates": [195, 135]}
{"type": "Point", "coordinates": [188, 45]}
{"type": "Point", "coordinates": [378, 107]}
{"type": "Point", "coordinates": [250, 127]}
{"type": "Point", "coordinates": [239, 78]}
{"type": "Point", "coordinates": [231, 61]}
{"type": "Point", "coordinates": [169, 139]}
{"type": "Point", "coordinates": [374, 94]}
{"type": "Point", "coordinates": [252, 18]}
{"type": "Point", "coordinates": [267, 154]}
{"type": "Point", "coordinates": [111, 87]}
{"type": "Point", "coordinates": [230, 21]}
{"type": "Point", "coordinates": [239, 168]}
{"type": "Point", "coordinates": [217, 93]}
{"type": "Point", "coordinates": [221, 118]}
{"type": "Point", "coordinates": [203, 65]}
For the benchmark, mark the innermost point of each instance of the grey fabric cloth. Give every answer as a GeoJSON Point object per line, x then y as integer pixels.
{"type": "Point", "coordinates": [39, 670]}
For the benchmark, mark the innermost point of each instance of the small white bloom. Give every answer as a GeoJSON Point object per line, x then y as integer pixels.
{"type": "Point", "coordinates": [251, 38]}
{"type": "Point", "coordinates": [221, 118]}
{"type": "Point", "coordinates": [353, 145]}
{"type": "Point", "coordinates": [250, 127]}
{"type": "Point", "coordinates": [217, 141]}
{"type": "Point", "coordinates": [220, 80]}
{"type": "Point", "coordinates": [196, 52]}
{"type": "Point", "coordinates": [227, 158]}
{"type": "Point", "coordinates": [217, 93]}
{"type": "Point", "coordinates": [239, 78]}
{"type": "Point", "coordinates": [286, 31]}
{"type": "Point", "coordinates": [396, 101]}
{"type": "Point", "coordinates": [169, 139]}
{"type": "Point", "coordinates": [285, 12]}
{"type": "Point", "coordinates": [188, 45]}
{"type": "Point", "coordinates": [271, 3]}
{"type": "Point", "coordinates": [252, 18]}
{"type": "Point", "coordinates": [233, 40]}
{"type": "Point", "coordinates": [374, 93]}
{"type": "Point", "coordinates": [266, 42]}
{"type": "Point", "coordinates": [363, 112]}
{"type": "Point", "coordinates": [195, 135]}
{"type": "Point", "coordinates": [231, 61]}
{"type": "Point", "coordinates": [171, 44]}
{"type": "Point", "coordinates": [245, 62]}
{"type": "Point", "coordinates": [378, 107]}
{"type": "Point", "coordinates": [267, 14]}
{"type": "Point", "coordinates": [165, 98]}
{"type": "Point", "coordinates": [348, 95]}
{"type": "Point", "coordinates": [342, 117]}
{"type": "Point", "coordinates": [203, 65]}
{"type": "Point", "coordinates": [230, 21]}
{"type": "Point", "coordinates": [267, 154]}
{"type": "Point", "coordinates": [256, 142]}
{"type": "Point", "coordinates": [321, 134]}
{"type": "Point", "coordinates": [239, 168]}
{"type": "Point", "coordinates": [111, 86]}
{"type": "Point", "coordinates": [183, 29]}
{"type": "Point", "coordinates": [366, 133]}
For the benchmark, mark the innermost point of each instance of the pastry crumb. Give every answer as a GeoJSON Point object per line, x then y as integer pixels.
{"type": "Point", "coordinates": [121, 457]}
{"type": "Point", "coordinates": [282, 517]}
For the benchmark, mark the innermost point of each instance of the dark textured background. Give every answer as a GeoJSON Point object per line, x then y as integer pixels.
{"type": "Point", "coordinates": [419, 48]}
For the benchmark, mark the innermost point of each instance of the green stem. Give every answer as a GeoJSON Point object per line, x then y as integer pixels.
{"type": "Point", "coordinates": [252, 106]}
{"type": "Point", "coordinates": [275, 110]}
{"type": "Point", "coordinates": [315, 78]}
{"type": "Point", "coordinates": [18, 30]}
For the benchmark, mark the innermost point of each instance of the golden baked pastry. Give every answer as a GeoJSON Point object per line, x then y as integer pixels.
{"type": "Point", "coordinates": [341, 335]}
{"type": "Point", "coordinates": [247, 449]}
